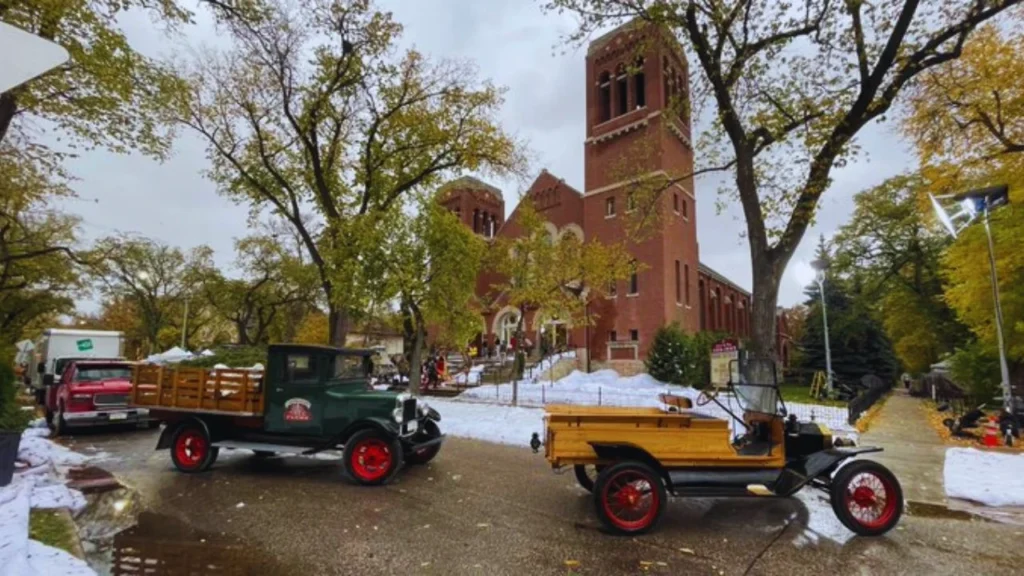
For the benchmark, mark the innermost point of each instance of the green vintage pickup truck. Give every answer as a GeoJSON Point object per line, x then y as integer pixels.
{"type": "Point", "coordinates": [308, 399]}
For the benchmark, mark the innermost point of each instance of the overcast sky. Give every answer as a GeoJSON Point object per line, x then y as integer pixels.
{"type": "Point", "coordinates": [514, 44]}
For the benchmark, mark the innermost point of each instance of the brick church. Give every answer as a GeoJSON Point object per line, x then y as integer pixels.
{"type": "Point", "coordinates": [633, 74]}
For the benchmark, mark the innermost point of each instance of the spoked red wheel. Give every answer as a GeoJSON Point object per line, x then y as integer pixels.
{"type": "Point", "coordinates": [371, 457]}
{"type": "Point", "coordinates": [867, 498]}
{"type": "Point", "coordinates": [191, 449]}
{"type": "Point", "coordinates": [629, 497]}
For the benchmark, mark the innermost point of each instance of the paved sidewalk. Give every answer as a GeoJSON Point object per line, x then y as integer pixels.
{"type": "Point", "coordinates": [913, 450]}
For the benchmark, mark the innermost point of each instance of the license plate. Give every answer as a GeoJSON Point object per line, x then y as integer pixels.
{"type": "Point", "coordinates": [118, 416]}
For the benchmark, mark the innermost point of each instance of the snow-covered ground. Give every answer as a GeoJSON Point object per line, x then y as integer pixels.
{"type": "Point", "coordinates": [607, 388]}
{"type": "Point", "coordinates": [39, 483]}
{"type": "Point", "coordinates": [989, 478]}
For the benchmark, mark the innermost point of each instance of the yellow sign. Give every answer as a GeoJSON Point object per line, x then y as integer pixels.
{"type": "Point", "coordinates": [725, 368]}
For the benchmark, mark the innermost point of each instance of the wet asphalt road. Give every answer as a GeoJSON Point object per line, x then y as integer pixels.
{"type": "Point", "coordinates": [485, 509]}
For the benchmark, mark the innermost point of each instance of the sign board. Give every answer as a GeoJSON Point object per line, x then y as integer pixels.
{"type": "Point", "coordinates": [725, 368]}
{"type": "Point", "coordinates": [84, 345]}
{"type": "Point", "coordinates": [23, 56]}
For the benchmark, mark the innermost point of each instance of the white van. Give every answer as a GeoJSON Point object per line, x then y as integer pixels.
{"type": "Point", "coordinates": [58, 346]}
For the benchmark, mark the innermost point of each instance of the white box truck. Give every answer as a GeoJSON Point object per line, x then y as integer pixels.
{"type": "Point", "coordinates": [58, 346]}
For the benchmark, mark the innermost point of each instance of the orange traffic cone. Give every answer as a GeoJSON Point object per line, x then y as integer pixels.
{"type": "Point", "coordinates": [991, 433]}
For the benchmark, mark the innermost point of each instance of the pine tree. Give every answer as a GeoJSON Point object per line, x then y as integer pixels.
{"type": "Point", "coordinates": [858, 342]}
{"type": "Point", "coordinates": [667, 356]}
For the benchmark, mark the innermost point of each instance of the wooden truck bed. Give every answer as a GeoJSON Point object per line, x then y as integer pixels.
{"type": "Point", "coordinates": [675, 439]}
{"type": "Point", "coordinates": [226, 391]}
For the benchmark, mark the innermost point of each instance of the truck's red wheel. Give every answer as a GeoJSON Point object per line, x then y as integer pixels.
{"type": "Point", "coordinates": [192, 450]}
{"type": "Point", "coordinates": [371, 457]}
{"type": "Point", "coordinates": [866, 497]}
{"type": "Point", "coordinates": [629, 497]}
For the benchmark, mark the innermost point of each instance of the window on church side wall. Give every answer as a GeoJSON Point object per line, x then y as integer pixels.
{"type": "Point", "coordinates": [675, 202]}
{"type": "Point", "coordinates": [609, 206]}
{"type": "Point", "coordinates": [604, 97]}
{"type": "Point", "coordinates": [686, 282]}
{"type": "Point", "coordinates": [679, 295]}
{"type": "Point", "coordinates": [621, 92]}
{"type": "Point", "coordinates": [634, 285]}
{"type": "Point", "coordinates": [640, 84]}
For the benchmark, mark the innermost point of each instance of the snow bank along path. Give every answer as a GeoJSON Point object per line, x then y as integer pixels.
{"type": "Point", "coordinates": [39, 484]}
{"type": "Point", "coordinates": [989, 478]}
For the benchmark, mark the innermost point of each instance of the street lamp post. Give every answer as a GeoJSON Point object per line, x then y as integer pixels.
{"type": "Point", "coordinates": [819, 277]}
{"type": "Point", "coordinates": [971, 204]}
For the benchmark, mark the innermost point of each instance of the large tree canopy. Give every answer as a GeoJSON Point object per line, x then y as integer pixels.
{"type": "Point", "coordinates": [788, 89]}
{"type": "Point", "coordinates": [893, 250]}
{"type": "Point", "coordinates": [313, 116]}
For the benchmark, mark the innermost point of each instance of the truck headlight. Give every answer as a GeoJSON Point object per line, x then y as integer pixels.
{"type": "Point", "coordinates": [397, 414]}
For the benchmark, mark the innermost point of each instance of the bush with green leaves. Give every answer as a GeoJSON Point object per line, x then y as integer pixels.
{"type": "Point", "coordinates": [233, 356]}
{"type": "Point", "coordinates": [975, 368]}
{"type": "Point", "coordinates": [12, 417]}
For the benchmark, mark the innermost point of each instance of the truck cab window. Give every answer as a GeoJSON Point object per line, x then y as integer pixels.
{"type": "Point", "coordinates": [300, 368]}
{"type": "Point", "coordinates": [348, 367]}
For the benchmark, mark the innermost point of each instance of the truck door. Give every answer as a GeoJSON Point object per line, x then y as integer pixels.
{"type": "Point", "coordinates": [346, 375]}
{"type": "Point", "coordinates": [296, 394]}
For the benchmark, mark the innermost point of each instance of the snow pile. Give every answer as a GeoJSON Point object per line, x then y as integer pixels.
{"type": "Point", "coordinates": [23, 557]}
{"type": "Point", "coordinates": [608, 388]}
{"type": "Point", "coordinates": [40, 483]}
{"type": "Point", "coordinates": [473, 377]}
{"type": "Point", "coordinates": [499, 424]}
{"type": "Point", "coordinates": [989, 478]}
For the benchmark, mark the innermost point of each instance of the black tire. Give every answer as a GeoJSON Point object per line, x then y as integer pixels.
{"type": "Point", "coordinates": [584, 476]}
{"type": "Point", "coordinates": [610, 479]}
{"type": "Point", "coordinates": [844, 495]}
{"type": "Point", "coordinates": [191, 450]}
{"type": "Point", "coordinates": [365, 455]}
{"type": "Point", "coordinates": [428, 431]}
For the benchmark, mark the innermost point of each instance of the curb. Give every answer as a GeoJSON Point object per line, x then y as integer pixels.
{"type": "Point", "coordinates": [76, 544]}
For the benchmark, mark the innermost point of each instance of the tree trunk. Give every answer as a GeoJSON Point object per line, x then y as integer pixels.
{"type": "Point", "coordinates": [414, 362]}
{"type": "Point", "coordinates": [338, 325]}
{"type": "Point", "coordinates": [8, 107]}
{"type": "Point", "coordinates": [765, 299]}
{"type": "Point", "coordinates": [243, 334]}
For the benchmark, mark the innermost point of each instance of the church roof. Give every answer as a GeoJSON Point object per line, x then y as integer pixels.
{"type": "Point", "coordinates": [471, 183]}
{"type": "Point", "coordinates": [704, 268]}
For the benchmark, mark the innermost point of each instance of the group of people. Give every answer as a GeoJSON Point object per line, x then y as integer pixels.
{"type": "Point", "coordinates": [434, 370]}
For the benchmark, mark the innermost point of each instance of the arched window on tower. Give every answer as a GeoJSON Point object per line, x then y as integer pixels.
{"type": "Point", "coordinates": [666, 84]}
{"type": "Point", "coordinates": [621, 91]}
{"type": "Point", "coordinates": [604, 97]}
{"type": "Point", "coordinates": [640, 84]}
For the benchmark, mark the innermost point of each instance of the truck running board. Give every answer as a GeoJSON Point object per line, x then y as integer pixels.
{"type": "Point", "coordinates": [261, 447]}
{"type": "Point", "coordinates": [731, 478]}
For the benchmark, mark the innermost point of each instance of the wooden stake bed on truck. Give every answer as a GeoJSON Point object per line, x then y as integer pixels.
{"type": "Point", "coordinates": [308, 399]}
{"type": "Point", "coordinates": [238, 392]}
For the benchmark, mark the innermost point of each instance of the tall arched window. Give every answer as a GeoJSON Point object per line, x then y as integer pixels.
{"type": "Point", "coordinates": [640, 84]}
{"type": "Point", "coordinates": [666, 83]}
{"type": "Point", "coordinates": [621, 91]}
{"type": "Point", "coordinates": [476, 220]}
{"type": "Point", "coordinates": [604, 97]}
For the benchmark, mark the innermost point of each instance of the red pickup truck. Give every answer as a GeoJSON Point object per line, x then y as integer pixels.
{"type": "Point", "coordinates": [93, 393]}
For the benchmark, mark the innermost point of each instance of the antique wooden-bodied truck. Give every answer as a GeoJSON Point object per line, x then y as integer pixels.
{"type": "Point", "coordinates": [307, 400]}
{"type": "Point", "coordinates": [642, 455]}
